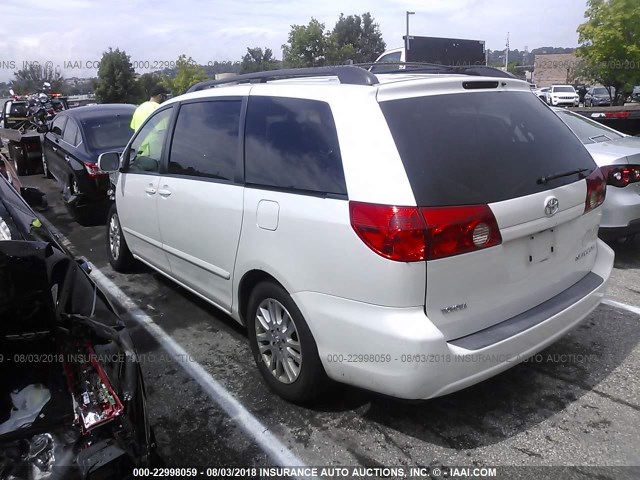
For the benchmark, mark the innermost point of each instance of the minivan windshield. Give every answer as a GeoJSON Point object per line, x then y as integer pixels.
{"type": "Point", "coordinates": [481, 147]}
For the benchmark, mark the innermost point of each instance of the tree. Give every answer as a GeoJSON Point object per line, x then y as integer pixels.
{"type": "Point", "coordinates": [255, 60]}
{"type": "Point", "coordinates": [146, 83]}
{"type": "Point", "coordinates": [514, 69]}
{"type": "Point", "coordinates": [31, 78]}
{"type": "Point", "coordinates": [356, 38]}
{"type": "Point", "coordinates": [188, 72]}
{"type": "Point", "coordinates": [610, 43]}
{"type": "Point", "coordinates": [116, 78]}
{"type": "Point", "coordinates": [306, 47]}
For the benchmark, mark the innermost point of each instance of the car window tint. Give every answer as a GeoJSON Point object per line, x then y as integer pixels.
{"type": "Point", "coordinates": [292, 144]}
{"type": "Point", "coordinates": [483, 147]}
{"type": "Point", "coordinates": [587, 130]}
{"type": "Point", "coordinates": [388, 58]}
{"type": "Point", "coordinates": [58, 125]}
{"type": "Point", "coordinates": [70, 133]}
{"type": "Point", "coordinates": [18, 109]}
{"type": "Point", "coordinates": [113, 131]}
{"type": "Point", "coordinates": [146, 148]}
{"type": "Point", "coordinates": [205, 140]}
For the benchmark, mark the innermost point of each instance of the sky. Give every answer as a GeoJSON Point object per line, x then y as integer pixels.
{"type": "Point", "coordinates": [73, 34]}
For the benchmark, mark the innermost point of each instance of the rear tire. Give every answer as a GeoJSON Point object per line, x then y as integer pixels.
{"type": "Point", "coordinates": [282, 344]}
{"type": "Point", "coordinates": [119, 254]}
{"type": "Point", "coordinates": [19, 162]}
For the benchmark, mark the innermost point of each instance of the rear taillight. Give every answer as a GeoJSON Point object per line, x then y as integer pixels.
{"type": "Point", "coordinates": [93, 170]}
{"type": "Point", "coordinates": [621, 175]}
{"type": "Point", "coordinates": [412, 234]}
{"type": "Point", "coordinates": [461, 229]}
{"type": "Point", "coordinates": [396, 233]}
{"type": "Point", "coordinates": [596, 190]}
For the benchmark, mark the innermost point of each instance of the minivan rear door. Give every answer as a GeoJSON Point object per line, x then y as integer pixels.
{"type": "Point", "coordinates": [505, 150]}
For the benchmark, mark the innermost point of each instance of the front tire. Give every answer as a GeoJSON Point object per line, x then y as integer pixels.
{"type": "Point", "coordinates": [282, 344]}
{"type": "Point", "coordinates": [118, 252]}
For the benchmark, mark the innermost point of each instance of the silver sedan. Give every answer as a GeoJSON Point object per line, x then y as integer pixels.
{"type": "Point", "coordinates": [618, 156]}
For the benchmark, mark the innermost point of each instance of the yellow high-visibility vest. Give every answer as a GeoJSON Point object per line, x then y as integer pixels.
{"type": "Point", "coordinates": [142, 112]}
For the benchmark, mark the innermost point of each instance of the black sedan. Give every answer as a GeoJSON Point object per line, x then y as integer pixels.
{"type": "Point", "coordinates": [75, 139]}
{"type": "Point", "coordinates": [72, 398]}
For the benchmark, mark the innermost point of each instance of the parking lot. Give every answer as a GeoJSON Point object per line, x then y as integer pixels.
{"type": "Point", "coordinates": [576, 403]}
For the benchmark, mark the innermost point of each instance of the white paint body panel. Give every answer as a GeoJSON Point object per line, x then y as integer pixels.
{"type": "Point", "coordinates": [138, 214]}
{"type": "Point", "coordinates": [200, 226]}
{"type": "Point", "coordinates": [315, 249]}
{"type": "Point", "coordinates": [355, 301]}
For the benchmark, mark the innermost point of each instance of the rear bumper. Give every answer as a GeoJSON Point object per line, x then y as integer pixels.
{"type": "Point", "coordinates": [399, 352]}
{"type": "Point", "coordinates": [621, 211]}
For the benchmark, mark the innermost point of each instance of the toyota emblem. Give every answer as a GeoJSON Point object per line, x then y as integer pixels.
{"type": "Point", "coordinates": [551, 205]}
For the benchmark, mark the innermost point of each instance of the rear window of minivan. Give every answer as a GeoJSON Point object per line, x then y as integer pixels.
{"type": "Point", "coordinates": [481, 147]}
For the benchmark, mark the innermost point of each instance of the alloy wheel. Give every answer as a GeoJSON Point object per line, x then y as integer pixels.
{"type": "Point", "coordinates": [278, 340]}
{"type": "Point", "coordinates": [114, 236]}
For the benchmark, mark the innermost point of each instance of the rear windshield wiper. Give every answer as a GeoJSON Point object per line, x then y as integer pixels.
{"type": "Point", "coordinates": [548, 178]}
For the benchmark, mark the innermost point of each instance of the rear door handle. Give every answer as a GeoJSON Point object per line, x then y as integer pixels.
{"type": "Point", "coordinates": [150, 190]}
{"type": "Point", "coordinates": [55, 149]}
{"type": "Point", "coordinates": [164, 193]}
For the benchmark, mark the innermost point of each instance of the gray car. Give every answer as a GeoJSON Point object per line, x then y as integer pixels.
{"type": "Point", "coordinates": [618, 156]}
{"type": "Point", "coordinates": [598, 97]}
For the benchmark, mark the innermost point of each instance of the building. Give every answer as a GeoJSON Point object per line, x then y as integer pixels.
{"type": "Point", "coordinates": [555, 68]}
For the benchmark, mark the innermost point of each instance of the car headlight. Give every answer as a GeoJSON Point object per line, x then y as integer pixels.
{"type": "Point", "coordinates": [5, 233]}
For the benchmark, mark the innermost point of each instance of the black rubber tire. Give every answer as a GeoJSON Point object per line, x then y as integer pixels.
{"type": "Point", "coordinates": [20, 164]}
{"type": "Point", "coordinates": [124, 261]}
{"type": "Point", "coordinates": [312, 379]}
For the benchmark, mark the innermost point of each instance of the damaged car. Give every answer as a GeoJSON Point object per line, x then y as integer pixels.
{"type": "Point", "coordinates": [72, 396]}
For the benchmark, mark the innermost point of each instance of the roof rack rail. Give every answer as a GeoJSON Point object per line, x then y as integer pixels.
{"type": "Point", "coordinates": [346, 74]}
{"type": "Point", "coordinates": [434, 68]}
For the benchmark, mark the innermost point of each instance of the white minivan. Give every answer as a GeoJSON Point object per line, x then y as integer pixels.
{"type": "Point", "coordinates": [410, 234]}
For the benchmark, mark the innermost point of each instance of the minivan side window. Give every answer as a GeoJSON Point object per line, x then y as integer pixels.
{"type": "Point", "coordinates": [206, 140]}
{"type": "Point", "coordinates": [292, 143]}
{"type": "Point", "coordinates": [71, 133]}
{"type": "Point", "coordinates": [146, 149]}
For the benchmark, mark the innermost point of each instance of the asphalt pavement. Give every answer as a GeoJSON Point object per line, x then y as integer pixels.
{"type": "Point", "coordinates": [576, 403]}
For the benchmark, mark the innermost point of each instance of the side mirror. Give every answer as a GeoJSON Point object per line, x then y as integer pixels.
{"type": "Point", "coordinates": [42, 128]}
{"type": "Point", "coordinates": [34, 197]}
{"type": "Point", "coordinates": [109, 161]}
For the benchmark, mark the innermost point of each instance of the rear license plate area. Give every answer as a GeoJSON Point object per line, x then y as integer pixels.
{"type": "Point", "coordinates": [541, 246]}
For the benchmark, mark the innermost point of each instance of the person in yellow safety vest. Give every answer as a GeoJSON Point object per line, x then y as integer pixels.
{"type": "Point", "coordinates": [158, 95]}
